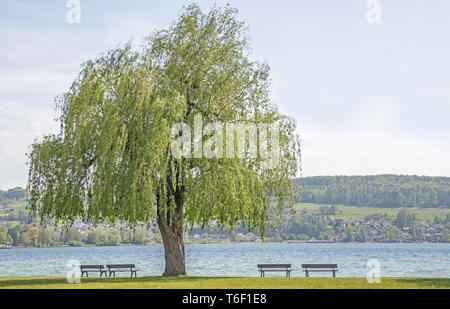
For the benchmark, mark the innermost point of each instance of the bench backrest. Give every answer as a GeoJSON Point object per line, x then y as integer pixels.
{"type": "Point", "coordinates": [91, 266]}
{"type": "Point", "coordinates": [274, 265]}
{"type": "Point", "coordinates": [319, 265]}
{"type": "Point", "coordinates": [120, 266]}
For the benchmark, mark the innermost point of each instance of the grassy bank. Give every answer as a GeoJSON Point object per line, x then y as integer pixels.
{"type": "Point", "coordinates": [222, 283]}
{"type": "Point", "coordinates": [359, 212]}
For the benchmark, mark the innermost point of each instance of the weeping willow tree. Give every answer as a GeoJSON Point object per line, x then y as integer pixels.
{"type": "Point", "coordinates": [113, 159]}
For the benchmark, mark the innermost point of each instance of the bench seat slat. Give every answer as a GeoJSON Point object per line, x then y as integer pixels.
{"type": "Point", "coordinates": [113, 268]}
{"type": "Point", "coordinates": [274, 265]}
{"type": "Point", "coordinates": [91, 266]}
{"type": "Point", "coordinates": [120, 265]}
{"type": "Point", "coordinates": [320, 270]}
{"type": "Point", "coordinates": [319, 265]}
{"type": "Point", "coordinates": [263, 268]}
{"type": "Point", "coordinates": [86, 269]}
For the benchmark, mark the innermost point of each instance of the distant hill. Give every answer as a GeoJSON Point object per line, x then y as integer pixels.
{"type": "Point", "coordinates": [13, 206]}
{"type": "Point", "coordinates": [382, 190]}
{"type": "Point", "coordinates": [13, 194]}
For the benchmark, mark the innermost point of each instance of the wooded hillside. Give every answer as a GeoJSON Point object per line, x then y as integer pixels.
{"type": "Point", "coordinates": [382, 190]}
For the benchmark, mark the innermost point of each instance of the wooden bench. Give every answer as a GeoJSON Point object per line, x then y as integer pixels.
{"type": "Point", "coordinates": [86, 269]}
{"type": "Point", "coordinates": [319, 267]}
{"type": "Point", "coordinates": [275, 267]}
{"type": "Point", "coordinates": [113, 268]}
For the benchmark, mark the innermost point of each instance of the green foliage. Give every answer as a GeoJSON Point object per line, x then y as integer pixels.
{"type": "Point", "coordinates": [5, 239]}
{"type": "Point", "coordinates": [312, 226]}
{"type": "Point", "coordinates": [405, 218]}
{"type": "Point", "coordinates": [72, 235]}
{"type": "Point", "coordinates": [303, 228]}
{"type": "Point", "coordinates": [382, 191]}
{"type": "Point", "coordinates": [361, 236]}
{"type": "Point", "coordinates": [113, 160]}
{"type": "Point", "coordinates": [12, 194]}
{"type": "Point", "coordinates": [329, 210]}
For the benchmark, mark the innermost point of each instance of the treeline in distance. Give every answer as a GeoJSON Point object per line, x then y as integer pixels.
{"type": "Point", "coordinates": [389, 191]}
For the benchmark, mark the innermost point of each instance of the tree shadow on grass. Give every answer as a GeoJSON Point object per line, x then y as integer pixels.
{"type": "Point", "coordinates": [427, 282]}
{"type": "Point", "coordinates": [11, 283]}
{"type": "Point", "coordinates": [52, 281]}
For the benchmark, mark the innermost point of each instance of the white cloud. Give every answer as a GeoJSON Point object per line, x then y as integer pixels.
{"type": "Point", "coordinates": [364, 152]}
{"type": "Point", "coordinates": [20, 125]}
{"type": "Point", "coordinates": [35, 82]}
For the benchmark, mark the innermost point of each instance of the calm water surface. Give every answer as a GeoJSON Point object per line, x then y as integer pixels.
{"type": "Point", "coordinates": [396, 260]}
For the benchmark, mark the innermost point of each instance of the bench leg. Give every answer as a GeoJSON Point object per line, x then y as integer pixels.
{"type": "Point", "coordinates": [334, 274]}
{"type": "Point", "coordinates": [306, 274]}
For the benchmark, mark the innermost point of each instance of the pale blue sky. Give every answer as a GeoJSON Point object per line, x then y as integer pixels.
{"type": "Point", "coordinates": [368, 98]}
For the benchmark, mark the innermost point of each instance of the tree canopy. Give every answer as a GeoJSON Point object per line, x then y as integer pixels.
{"type": "Point", "coordinates": [381, 190]}
{"type": "Point", "coordinates": [113, 159]}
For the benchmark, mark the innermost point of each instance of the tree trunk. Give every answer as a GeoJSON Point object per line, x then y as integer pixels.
{"type": "Point", "coordinates": [170, 223]}
{"type": "Point", "coordinates": [172, 237]}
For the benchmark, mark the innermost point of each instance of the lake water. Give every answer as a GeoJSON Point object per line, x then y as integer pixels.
{"type": "Point", "coordinates": [396, 260]}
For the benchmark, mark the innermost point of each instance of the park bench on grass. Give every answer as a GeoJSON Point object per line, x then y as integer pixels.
{"type": "Point", "coordinates": [113, 268]}
{"type": "Point", "coordinates": [86, 269]}
{"type": "Point", "coordinates": [275, 267]}
{"type": "Point", "coordinates": [319, 267]}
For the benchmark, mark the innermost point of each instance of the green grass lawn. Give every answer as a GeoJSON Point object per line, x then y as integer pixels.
{"type": "Point", "coordinates": [221, 283]}
{"type": "Point", "coordinates": [359, 212]}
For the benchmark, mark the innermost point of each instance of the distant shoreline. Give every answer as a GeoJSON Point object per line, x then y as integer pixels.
{"type": "Point", "coordinates": [229, 243]}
